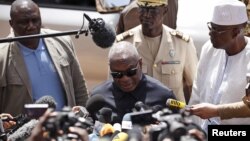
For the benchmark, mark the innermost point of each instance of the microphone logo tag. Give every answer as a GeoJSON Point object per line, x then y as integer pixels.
{"type": "Point", "coordinates": [175, 103]}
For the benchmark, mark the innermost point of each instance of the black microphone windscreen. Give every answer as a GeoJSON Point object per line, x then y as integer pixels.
{"type": "Point", "coordinates": [105, 115]}
{"type": "Point", "coordinates": [156, 108]}
{"type": "Point", "coordinates": [95, 103]}
{"type": "Point", "coordinates": [24, 131]}
{"type": "Point", "coordinates": [47, 100]}
{"type": "Point", "coordinates": [140, 106]}
{"type": "Point", "coordinates": [102, 33]}
{"type": "Point", "coordinates": [105, 36]}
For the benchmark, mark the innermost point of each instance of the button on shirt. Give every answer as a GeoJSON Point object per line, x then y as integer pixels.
{"type": "Point", "coordinates": [43, 74]}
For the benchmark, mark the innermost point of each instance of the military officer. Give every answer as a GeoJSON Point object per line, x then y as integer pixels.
{"type": "Point", "coordinates": [167, 55]}
{"type": "Point", "coordinates": [129, 16]}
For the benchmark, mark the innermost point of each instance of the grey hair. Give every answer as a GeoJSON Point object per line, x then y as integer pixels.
{"type": "Point", "coordinates": [123, 50]}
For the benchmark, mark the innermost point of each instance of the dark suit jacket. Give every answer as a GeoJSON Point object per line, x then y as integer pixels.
{"type": "Point", "coordinates": [149, 91]}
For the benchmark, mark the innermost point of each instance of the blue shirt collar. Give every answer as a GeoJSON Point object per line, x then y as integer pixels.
{"type": "Point", "coordinates": [27, 51]}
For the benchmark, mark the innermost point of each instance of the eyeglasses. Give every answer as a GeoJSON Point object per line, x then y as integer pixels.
{"type": "Point", "coordinates": [215, 30]}
{"type": "Point", "coordinates": [130, 72]}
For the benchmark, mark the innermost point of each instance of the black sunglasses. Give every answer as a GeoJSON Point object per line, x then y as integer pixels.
{"type": "Point", "coordinates": [130, 72]}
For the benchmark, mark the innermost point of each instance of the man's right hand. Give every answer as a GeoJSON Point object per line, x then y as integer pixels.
{"type": "Point", "coordinates": [9, 123]}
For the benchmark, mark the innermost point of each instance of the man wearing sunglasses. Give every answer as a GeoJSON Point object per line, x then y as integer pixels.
{"type": "Point", "coordinates": [224, 61]}
{"type": "Point", "coordinates": [129, 85]}
{"type": "Point", "coordinates": [167, 54]}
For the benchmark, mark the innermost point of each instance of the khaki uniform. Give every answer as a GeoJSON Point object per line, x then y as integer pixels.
{"type": "Point", "coordinates": [129, 17]}
{"type": "Point", "coordinates": [235, 110]}
{"type": "Point", "coordinates": [175, 61]}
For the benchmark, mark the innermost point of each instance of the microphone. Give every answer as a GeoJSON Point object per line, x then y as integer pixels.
{"type": "Point", "coordinates": [47, 100]}
{"type": "Point", "coordinates": [107, 130]}
{"type": "Point", "coordinates": [140, 106]}
{"type": "Point", "coordinates": [24, 131]}
{"type": "Point", "coordinates": [126, 122]}
{"type": "Point", "coordinates": [117, 127]}
{"type": "Point", "coordinates": [37, 109]}
{"type": "Point", "coordinates": [121, 136]}
{"type": "Point", "coordinates": [156, 108]}
{"type": "Point", "coordinates": [82, 112]}
{"type": "Point", "coordinates": [94, 104]}
{"type": "Point", "coordinates": [105, 115]}
{"type": "Point", "coordinates": [102, 34]}
{"type": "Point", "coordinates": [176, 104]}
{"type": "Point", "coordinates": [143, 115]}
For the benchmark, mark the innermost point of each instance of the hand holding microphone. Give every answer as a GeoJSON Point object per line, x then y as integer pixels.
{"type": "Point", "coordinates": [8, 120]}
{"type": "Point", "coordinates": [204, 110]}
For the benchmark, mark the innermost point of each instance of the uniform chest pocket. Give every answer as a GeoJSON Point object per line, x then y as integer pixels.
{"type": "Point", "coordinates": [171, 75]}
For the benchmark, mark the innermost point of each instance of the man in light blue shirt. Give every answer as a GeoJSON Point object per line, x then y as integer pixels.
{"type": "Point", "coordinates": [32, 68]}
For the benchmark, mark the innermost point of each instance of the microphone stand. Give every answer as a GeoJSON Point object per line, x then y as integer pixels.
{"type": "Point", "coordinates": [72, 32]}
{"type": "Point", "coordinates": [77, 32]}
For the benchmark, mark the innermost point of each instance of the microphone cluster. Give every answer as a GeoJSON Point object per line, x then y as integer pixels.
{"type": "Point", "coordinates": [172, 122]}
{"type": "Point", "coordinates": [164, 122]}
{"type": "Point", "coordinates": [27, 121]}
{"type": "Point", "coordinates": [62, 121]}
{"type": "Point", "coordinates": [98, 121]}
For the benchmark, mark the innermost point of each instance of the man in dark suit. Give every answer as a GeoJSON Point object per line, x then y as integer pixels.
{"type": "Point", "coordinates": [129, 85]}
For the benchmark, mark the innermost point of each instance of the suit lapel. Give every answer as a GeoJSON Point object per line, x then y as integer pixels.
{"type": "Point", "coordinates": [16, 58]}
{"type": "Point", "coordinates": [58, 61]}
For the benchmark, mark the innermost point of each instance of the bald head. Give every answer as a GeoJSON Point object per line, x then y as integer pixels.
{"type": "Point", "coordinates": [123, 51]}
{"type": "Point", "coordinates": [125, 66]}
{"type": "Point", "coordinates": [18, 5]}
{"type": "Point", "coordinates": [25, 19]}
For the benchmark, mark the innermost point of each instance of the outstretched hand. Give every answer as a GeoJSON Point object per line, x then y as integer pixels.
{"type": "Point", "coordinates": [204, 110]}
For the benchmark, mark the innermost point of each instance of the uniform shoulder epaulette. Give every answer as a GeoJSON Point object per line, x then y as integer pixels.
{"type": "Point", "coordinates": [180, 35]}
{"type": "Point", "coordinates": [124, 35]}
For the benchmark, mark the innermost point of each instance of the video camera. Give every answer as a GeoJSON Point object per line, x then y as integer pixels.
{"type": "Point", "coordinates": [31, 111]}
{"type": "Point", "coordinates": [165, 124]}
{"type": "Point", "coordinates": [62, 121]}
